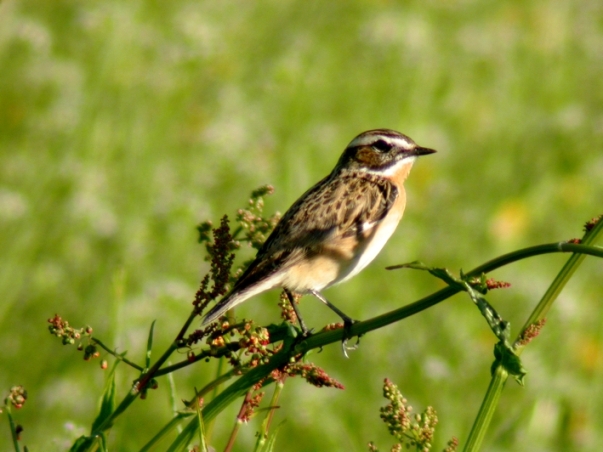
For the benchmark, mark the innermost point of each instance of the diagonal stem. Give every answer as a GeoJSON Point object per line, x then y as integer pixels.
{"type": "Point", "coordinates": [499, 374]}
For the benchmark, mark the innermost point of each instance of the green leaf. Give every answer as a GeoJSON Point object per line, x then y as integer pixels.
{"type": "Point", "coordinates": [415, 265]}
{"type": "Point", "coordinates": [82, 444]}
{"type": "Point", "coordinates": [150, 345]}
{"type": "Point", "coordinates": [107, 402]}
{"type": "Point", "coordinates": [510, 361]}
{"type": "Point", "coordinates": [13, 427]}
{"type": "Point", "coordinates": [445, 275]}
{"type": "Point", "coordinates": [270, 443]}
{"type": "Point", "coordinates": [500, 327]}
{"type": "Point", "coordinates": [90, 444]}
{"type": "Point", "coordinates": [202, 438]}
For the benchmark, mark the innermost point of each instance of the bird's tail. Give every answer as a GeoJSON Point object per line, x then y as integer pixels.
{"type": "Point", "coordinates": [236, 297]}
{"type": "Point", "coordinates": [242, 291]}
{"type": "Point", "coordinates": [226, 303]}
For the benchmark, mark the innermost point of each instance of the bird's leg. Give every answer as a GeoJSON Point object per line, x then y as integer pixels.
{"type": "Point", "coordinates": [347, 323]}
{"type": "Point", "coordinates": [302, 324]}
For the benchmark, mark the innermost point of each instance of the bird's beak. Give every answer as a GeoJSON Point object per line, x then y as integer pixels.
{"type": "Point", "coordinates": [422, 151]}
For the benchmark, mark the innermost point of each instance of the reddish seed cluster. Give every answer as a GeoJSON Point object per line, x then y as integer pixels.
{"type": "Point", "coordinates": [276, 375]}
{"type": "Point", "coordinates": [221, 259]}
{"type": "Point", "coordinates": [531, 332]}
{"type": "Point", "coordinates": [60, 328]}
{"type": "Point", "coordinates": [217, 342]}
{"type": "Point", "coordinates": [287, 311]}
{"type": "Point", "coordinates": [452, 445]}
{"type": "Point", "coordinates": [250, 404]}
{"type": "Point", "coordinates": [575, 241]}
{"type": "Point", "coordinates": [16, 396]}
{"type": "Point", "coordinates": [416, 431]}
{"type": "Point", "coordinates": [312, 374]}
{"type": "Point", "coordinates": [425, 427]}
{"type": "Point", "coordinates": [494, 284]}
{"type": "Point", "coordinates": [332, 326]}
{"type": "Point", "coordinates": [256, 227]}
{"type": "Point", "coordinates": [198, 335]}
{"type": "Point", "coordinates": [215, 334]}
{"type": "Point", "coordinates": [255, 341]}
{"type": "Point", "coordinates": [589, 225]}
{"type": "Point", "coordinates": [483, 285]}
{"type": "Point", "coordinates": [220, 244]}
{"type": "Point", "coordinates": [396, 414]}
{"type": "Point", "coordinates": [262, 191]}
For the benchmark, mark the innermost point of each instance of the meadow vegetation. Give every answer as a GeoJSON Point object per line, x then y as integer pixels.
{"type": "Point", "coordinates": [123, 125]}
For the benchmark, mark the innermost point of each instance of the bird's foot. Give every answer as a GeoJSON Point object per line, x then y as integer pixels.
{"type": "Point", "coordinates": [347, 325]}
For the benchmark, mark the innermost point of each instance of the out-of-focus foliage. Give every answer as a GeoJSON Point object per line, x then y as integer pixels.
{"type": "Point", "coordinates": [125, 124]}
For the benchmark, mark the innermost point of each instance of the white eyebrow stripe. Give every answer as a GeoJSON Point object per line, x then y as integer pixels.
{"type": "Point", "coordinates": [366, 140]}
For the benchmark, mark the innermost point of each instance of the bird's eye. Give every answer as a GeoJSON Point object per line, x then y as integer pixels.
{"type": "Point", "coordinates": [382, 146]}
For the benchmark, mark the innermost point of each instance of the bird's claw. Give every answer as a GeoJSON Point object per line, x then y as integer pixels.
{"type": "Point", "coordinates": [347, 325]}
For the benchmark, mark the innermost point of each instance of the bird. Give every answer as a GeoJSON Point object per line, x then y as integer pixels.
{"type": "Point", "coordinates": [336, 228]}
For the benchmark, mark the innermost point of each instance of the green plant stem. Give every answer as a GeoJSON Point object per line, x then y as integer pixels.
{"type": "Point", "coordinates": [144, 380]}
{"type": "Point", "coordinates": [324, 338]}
{"type": "Point", "coordinates": [13, 428]}
{"type": "Point", "coordinates": [116, 355]}
{"type": "Point", "coordinates": [202, 436]}
{"type": "Point", "coordinates": [318, 340]}
{"type": "Point", "coordinates": [564, 275]}
{"type": "Point", "coordinates": [277, 334]}
{"type": "Point", "coordinates": [233, 436]}
{"type": "Point", "coordinates": [108, 422]}
{"type": "Point", "coordinates": [173, 423]}
{"type": "Point", "coordinates": [214, 386]}
{"type": "Point", "coordinates": [499, 375]}
{"type": "Point", "coordinates": [278, 389]}
{"type": "Point", "coordinates": [171, 349]}
{"type": "Point", "coordinates": [263, 434]}
{"type": "Point", "coordinates": [230, 394]}
{"type": "Point", "coordinates": [238, 422]}
{"type": "Point", "coordinates": [487, 409]}
{"type": "Point", "coordinates": [241, 386]}
{"type": "Point", "coordinates": [135, 391]}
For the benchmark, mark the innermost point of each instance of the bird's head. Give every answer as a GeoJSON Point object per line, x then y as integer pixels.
{"type": "Point", "coordinates": [381, 151]}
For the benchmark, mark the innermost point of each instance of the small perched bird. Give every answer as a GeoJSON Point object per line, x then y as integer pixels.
{"type": "Point", "coordinates": [337, 227]}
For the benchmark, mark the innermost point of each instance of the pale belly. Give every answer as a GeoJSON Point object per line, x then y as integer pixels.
{"type": "Point", "coordinates": [368, 249]}
{"type": "Point", "coordinates": [340, 262]}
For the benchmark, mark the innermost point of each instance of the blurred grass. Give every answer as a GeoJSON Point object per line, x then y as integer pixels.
{"type": "Point", "coordinates": [123, 125]}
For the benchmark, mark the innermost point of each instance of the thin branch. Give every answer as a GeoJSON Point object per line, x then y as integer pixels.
{"type": "Point", "coordinates": [118, 356]}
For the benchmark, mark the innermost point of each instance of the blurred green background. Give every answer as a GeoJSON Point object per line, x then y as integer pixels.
{"type": "Point", "coordinates": [125, 124]}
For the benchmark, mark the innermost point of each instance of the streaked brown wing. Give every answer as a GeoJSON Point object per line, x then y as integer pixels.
{"type": "Point", "coordinates": [341, 205]}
